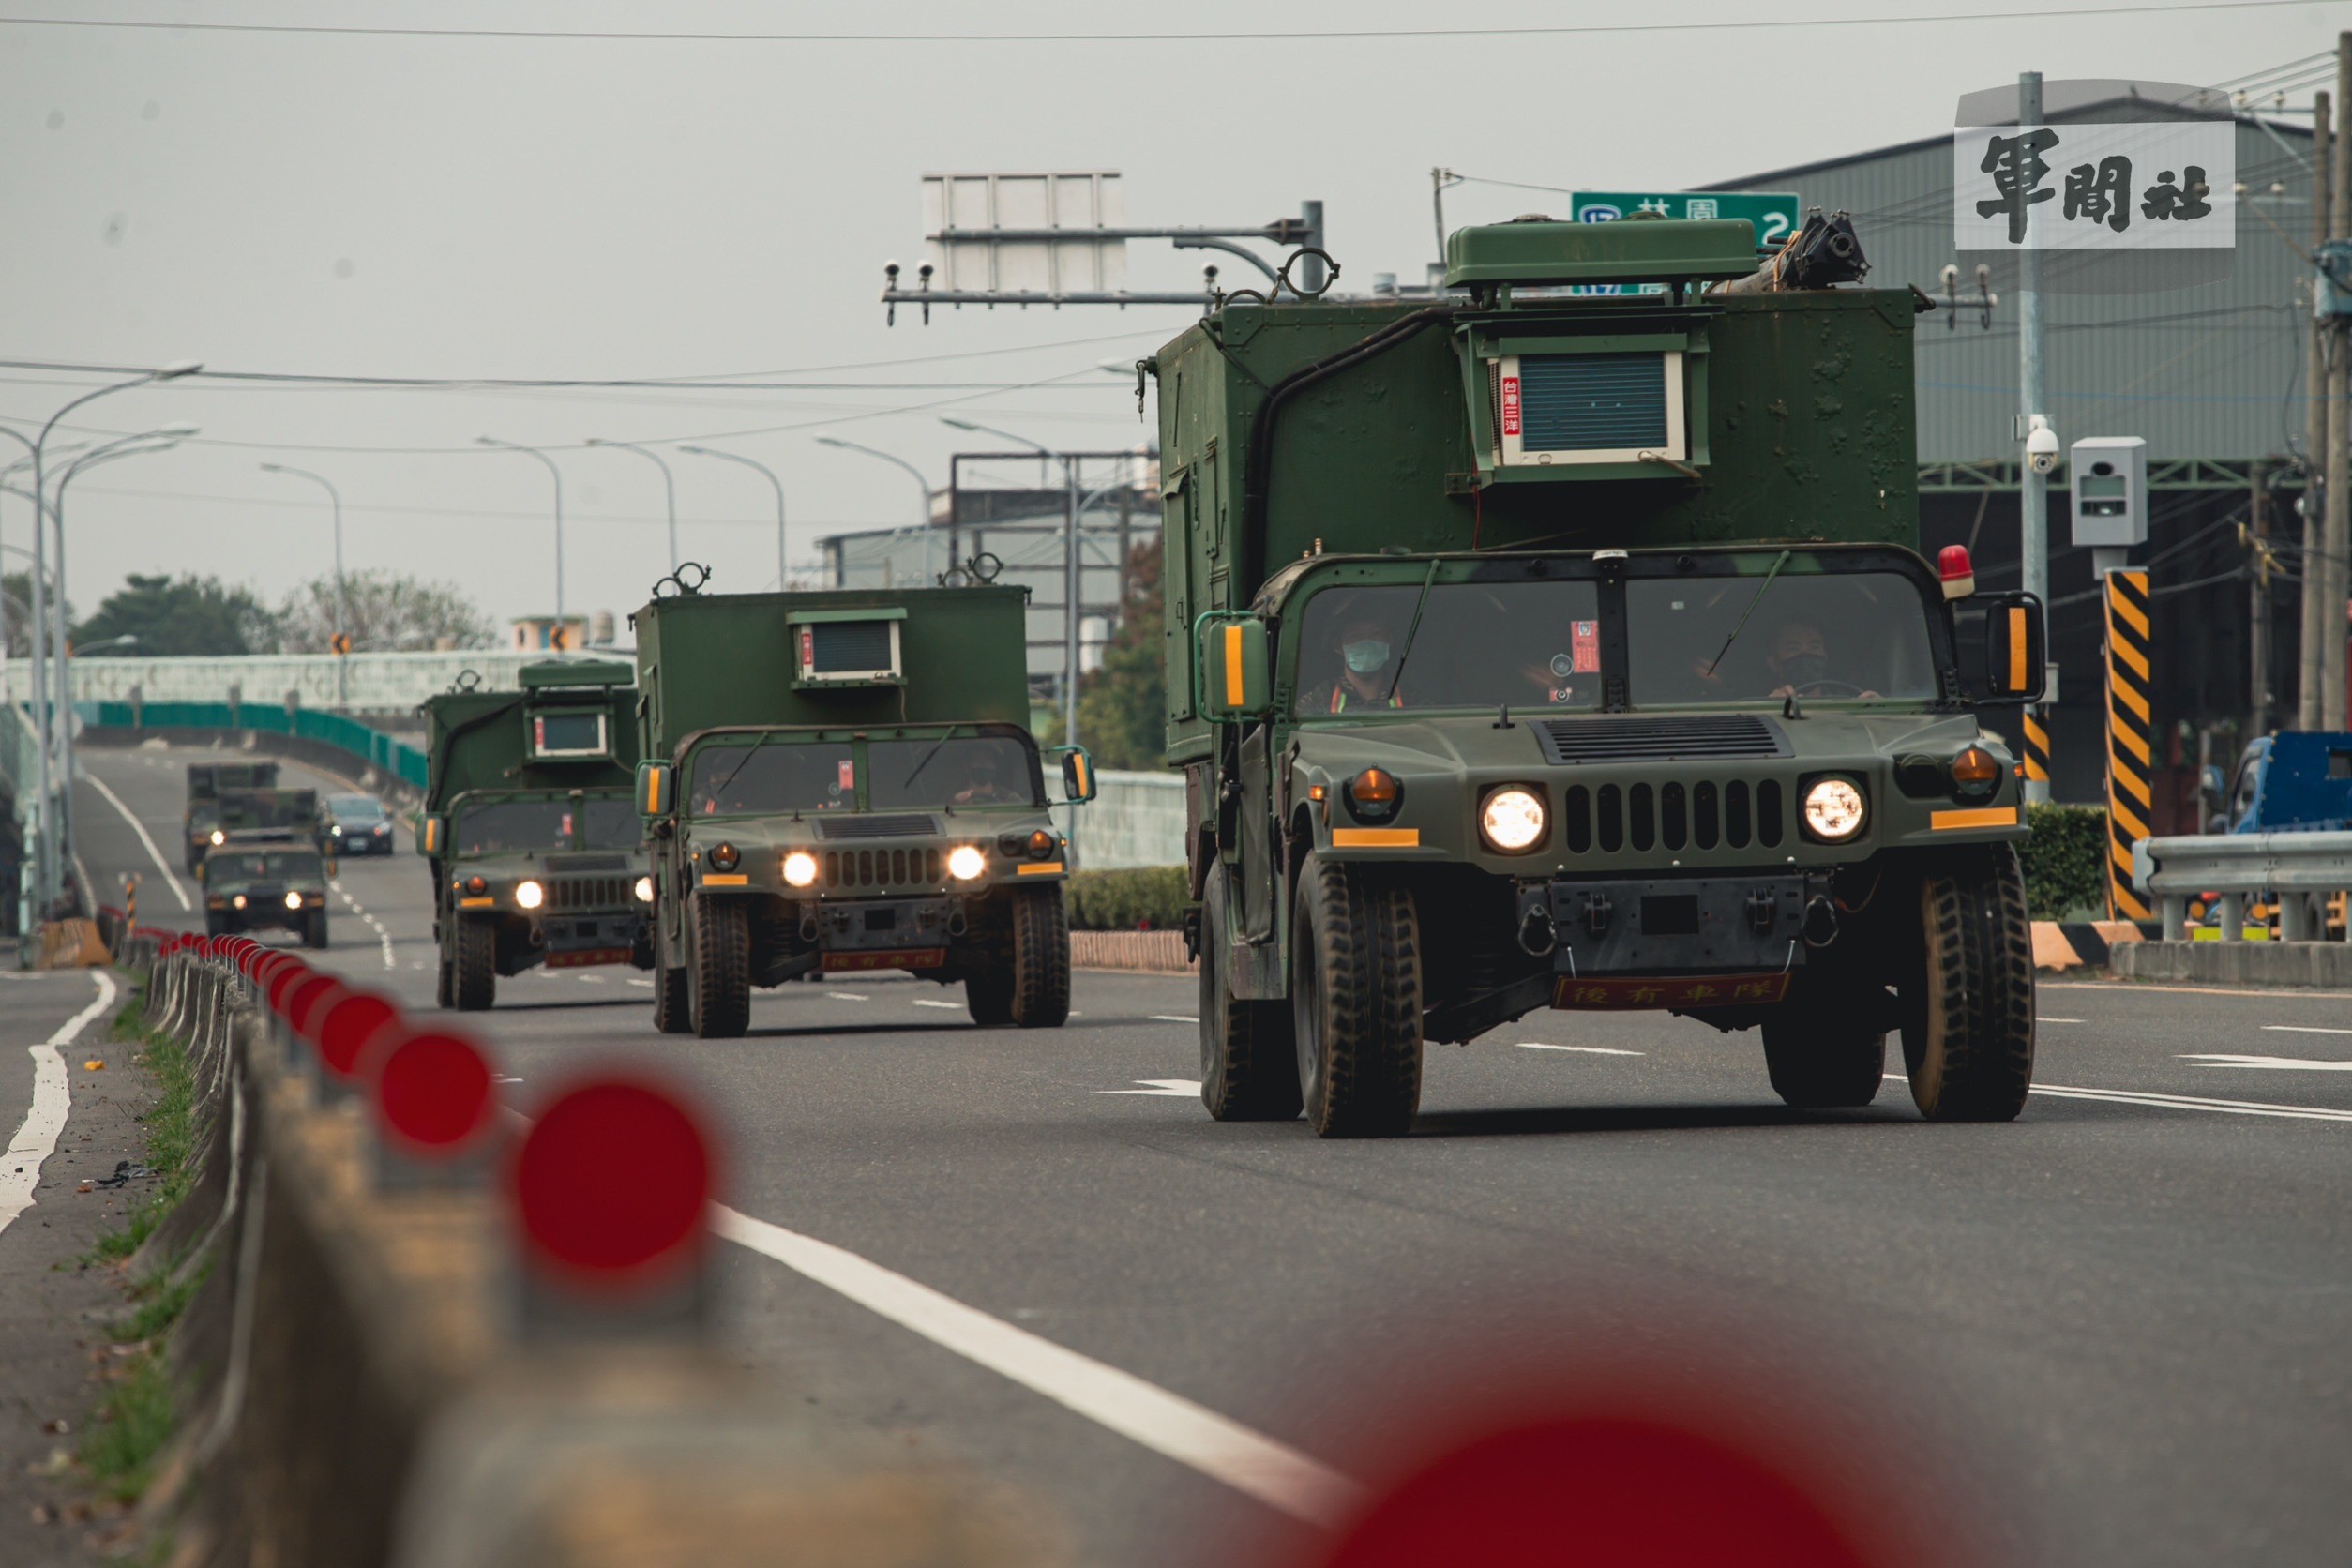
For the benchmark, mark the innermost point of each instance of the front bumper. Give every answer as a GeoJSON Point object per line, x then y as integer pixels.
{"type": "Point", "coordinates": [576, 941]}
{"type": "Point", "coordinates": [1668, 941]}
{"type": "Point", "coordinates": [884, 933]}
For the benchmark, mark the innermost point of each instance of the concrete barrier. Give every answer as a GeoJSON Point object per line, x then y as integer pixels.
{"type": "Point", "coordinates": [2326, 965]}
{"type": "Point", "coordinates": [363, 1389]}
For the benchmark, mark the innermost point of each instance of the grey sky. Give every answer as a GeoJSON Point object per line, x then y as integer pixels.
{"type": "Point", "coordinates": [489, 208]}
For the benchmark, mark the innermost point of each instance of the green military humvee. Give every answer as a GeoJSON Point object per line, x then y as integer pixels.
{"type": "Point", "coordinates": [535, 851]}
{"type": "Point", "coordinates": [1565, 644]}
{"type": "Point", "coordinates": [201, 818]}
{"type": "Point", "coordinates": [843, 781]}
{"type": "Point", "coordinates": [264, 880]}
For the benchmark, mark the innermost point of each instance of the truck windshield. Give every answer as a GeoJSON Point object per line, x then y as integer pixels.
{"type": "Point", "coordinates": [965, 770]}
{"type": "Point", "coordinates": [268, 810]}
{"type": "Point", "coordinates": [1478, 644]}
{"type": "Point", "coordinates": [1843, 634]}
{"type": "Point", "coordinates": [509, 827]}
{"type": "Point", "coordinates": [282, 864]}
{"type": "Point", "coordinates": [794, 776]}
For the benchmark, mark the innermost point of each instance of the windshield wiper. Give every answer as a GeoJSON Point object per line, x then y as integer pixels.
{"type": "Point", "coordinates": [720, 788]}
{"type": "Point", "coordinates": [926, 759]}
{"type": "Point", "coordinates": [1411, 631]}
{"type": "Point", "coordinates": [1777, 564]}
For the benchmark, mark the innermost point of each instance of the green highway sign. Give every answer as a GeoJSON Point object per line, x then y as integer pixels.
{"type": "Point", "coordinates": [1774, 214]}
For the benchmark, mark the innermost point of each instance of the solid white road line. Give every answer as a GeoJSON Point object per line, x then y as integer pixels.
{"type": "Point", "coordinates": [1249, 1461]}
{"type": "Point", "coordinates": [141, 829]}
{"type": "Point", "coordinates": [1590, 1050]}
{"type": "Point", "coordinates": [1177, 1087]}
{"type": "Point", "coordinates": [36, 1138]}
{"type": "Point", "coordinates": [2301, 1029]}
{"type": "Point", "coordinates": [2304, 1064]}
{"type": "Point", "coordinates": [2183, 1101]}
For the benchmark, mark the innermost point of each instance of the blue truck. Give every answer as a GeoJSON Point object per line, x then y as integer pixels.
{"type": "Point", "coordinates": [2295, 781]}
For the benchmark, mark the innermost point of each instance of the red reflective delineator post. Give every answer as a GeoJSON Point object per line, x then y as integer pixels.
{"type": "Point", "coordinates": [611, 1191]}
{"type": "Point", "coordinates": [433, 1101]}
{"type": "Point", "coordinates": [340, 1028]}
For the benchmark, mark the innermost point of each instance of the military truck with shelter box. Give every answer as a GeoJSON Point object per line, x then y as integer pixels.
{"type": "Point", "coordinates": [200, 821]}
{"type": "Point", "coordinates": [533, 846]}
{"type": "Point", "coordinates": [1565, 643]}
{"type": "Point", "coordinates": [846, 783]}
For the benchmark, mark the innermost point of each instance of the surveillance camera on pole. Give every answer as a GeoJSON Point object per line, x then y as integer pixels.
{"type": "Point", "coordinates": [2042, 446]}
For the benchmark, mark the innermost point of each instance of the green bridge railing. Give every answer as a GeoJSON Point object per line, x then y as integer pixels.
{"type": "Point", "coordinates": [348, 734]}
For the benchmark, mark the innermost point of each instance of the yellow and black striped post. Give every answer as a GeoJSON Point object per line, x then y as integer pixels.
{"type": "Point", "coordinates": [2130, 735]}
{"type": "Point", "coordinates": [2038, 753]}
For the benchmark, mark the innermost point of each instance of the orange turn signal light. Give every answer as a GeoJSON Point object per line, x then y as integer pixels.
{"type": "Point", "coordinates": [1975, 773]}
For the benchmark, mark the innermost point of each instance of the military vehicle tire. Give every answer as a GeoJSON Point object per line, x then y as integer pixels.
{"type": "Point", "coordinates": [719, 988]}
{"type": "Point", "coordinates": [1041, 959]}
{"type": "Point", "coordinates": [445, 994]}
{"type": "Point", "coordinates": [213, 923]}
{"type": "Point", "coordinates": [1355, 1001]}
{"type": "Point", "coordinates": [1823, 1056]}
{"type": "Point", "coordinates": [1968, 1040]}
{"type": "Point", "coordinates": [473, 966]}
{"type": "Point", "coordinates": [1249, 1062]}
{"type": "Point", "coordinates": [670, 999]}
{"type": "Point", "coordinates": [314, 928]}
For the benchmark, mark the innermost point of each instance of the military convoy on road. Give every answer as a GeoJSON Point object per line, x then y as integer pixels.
{"type": "Point", "coordinates": [1565, 644]}
{"type": "Point", "coordinates": [533, 846]}
{"type": "Point", "coordinates": [845, 781]}
{"type": "Point", "coordinates": [266, 880]}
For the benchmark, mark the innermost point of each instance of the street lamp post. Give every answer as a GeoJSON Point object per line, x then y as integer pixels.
{"type": "Point", "coordinates": [61, 710]}
{"type": "Point", "coordinates": [1072, 575]}
{"type": "Point", "coordinates": [557, 475]}
{"type": "Point", "coordinates": [342, 601]}
{"type": "Point", "coordinates": [46, 847]}
{"type": "Point", "coordinates": [924, 518]}
{"type": "Point", "coordinates": [669, 486]}
{"type": "Point", "coordinates": [781, 574]}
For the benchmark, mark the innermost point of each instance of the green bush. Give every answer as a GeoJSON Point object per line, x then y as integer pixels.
{"type": "Point", "coordinates": [2065, 855]}
{"type": "Point", "coordinates": [1150, 898]}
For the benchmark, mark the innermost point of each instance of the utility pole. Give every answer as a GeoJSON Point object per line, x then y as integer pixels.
{"type": "Point", "coordinates": [2315, 441]}
{"type": "Point", "coordinates": [2258, 606]}
{"type": "Point", "coordinates": [2339, 511]}
{"type": "Point", "coordinates": [2033, 489]}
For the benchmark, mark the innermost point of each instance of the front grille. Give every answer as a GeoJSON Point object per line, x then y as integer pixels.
{"type": "Point", "coordinates": [1659, 740]}
{"type": "Point", "coordinates": [1674, 816]}
{"type": "Point", "coordinates": [587, 893]}
{"type": "Point", "coordinates": [904, 825]}
{"type": "Point", "coordinates": [881, 868]}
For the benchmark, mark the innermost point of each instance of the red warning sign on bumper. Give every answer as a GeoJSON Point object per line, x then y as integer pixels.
{"type": "Point", "coordinates": [908, 958]}
{"type": "Point", "coordinates": [1619, 991]}
{"type": "Point", "coordinates": [581, 958]}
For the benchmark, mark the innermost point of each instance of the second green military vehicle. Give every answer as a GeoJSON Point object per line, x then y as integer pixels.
{"type": "Point", "coordinates": [535, 848]}
{"type": "Point", "coordinates": [844, 781]}
{"type": "Point", "coordinates": [269, 810]}
{"type": "Point", "coordinates": [1566, 643]}
{"type": "Point", "coordinates": [202, 819]}
{"type": "Point", "coordinates": [266, 879]}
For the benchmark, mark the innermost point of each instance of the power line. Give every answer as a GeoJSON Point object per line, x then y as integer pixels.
{"type": "Point", "coordinates": [1204, 36]}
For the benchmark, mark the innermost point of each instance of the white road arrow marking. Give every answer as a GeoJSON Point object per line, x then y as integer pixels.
{"type": "Point", "coordinates": [2286, 1063]}
{"type": "Point", "coordinates": [2301, 1029]}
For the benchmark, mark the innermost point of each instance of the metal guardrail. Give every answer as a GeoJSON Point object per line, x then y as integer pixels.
{"type": "Point", "coordinates": [2304, 870]}
{"type": "Point", "coordinates": [371, 745]}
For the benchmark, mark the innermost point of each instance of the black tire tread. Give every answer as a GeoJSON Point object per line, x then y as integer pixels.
{"type": "Point", "coordinates": [1821, 1056]}
{"type": "Point", "coordinates": [1249, 1063]}
{"type": "Point", "coordinates": [473, 966]}
{"type": "Point", "coordinates": [1366, 946]}
{"type": "Point", "coordinates": [1041, 959]}
{"type": "Point", "coordinates": [1970, 1048]}
{"type": "Point", "coordinates": [669, 1000]}
{"type": "Point", "coordinates": [720, 997]}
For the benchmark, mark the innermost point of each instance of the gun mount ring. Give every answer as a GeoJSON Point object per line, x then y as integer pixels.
{"type": "Point", "coordinates": [1282, 278]}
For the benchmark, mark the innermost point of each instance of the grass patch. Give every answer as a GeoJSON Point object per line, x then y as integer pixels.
{"type": "Point", "coordinates": [134, 1420]}
{"type": "Point", "coordinates": [171, 1123]}
{"type": "Point", "coordinates": [161, 1300]}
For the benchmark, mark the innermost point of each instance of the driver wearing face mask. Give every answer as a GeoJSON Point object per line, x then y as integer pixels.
{"type": "Point", "coordinates": [1799, 662]}
{"type": "Point", "coordinates": [1367, 653]}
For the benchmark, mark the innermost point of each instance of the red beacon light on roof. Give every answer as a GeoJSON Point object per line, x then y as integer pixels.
{"type": "Point", "coordinates": [1959, 572]}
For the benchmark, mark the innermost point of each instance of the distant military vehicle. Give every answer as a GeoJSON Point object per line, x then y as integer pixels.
{"type": "Point", "coordinates": [845, 781]}
{"type": "Point", "coordinates": [202, 817]}
{"type": "Point", "coordinates": [536, 852]}
{"type": "Point", "coordinates": [266, 880]}
{"type": "Point", "coordinates": [271, 810]}
{"type": "Point", "coordinates": [1565, 643]}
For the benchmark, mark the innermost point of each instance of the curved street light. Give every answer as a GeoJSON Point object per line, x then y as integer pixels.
{"type": "Point", "coordinates": [781, 575]}
{"type": "Point", "coordinates": [342, 600]}
{"type": "Point", "coordinates": [896, 461]}
{"type": "Point", "coordinates": [669, 486]}
{"type": "Point", "coordinates": [557, 475]}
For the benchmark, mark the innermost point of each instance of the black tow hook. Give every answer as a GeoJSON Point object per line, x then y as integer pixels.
{"type": "Point", "coordinates": [1538, 935]}
{"type": "Point", "coordinates": [1820, 925]}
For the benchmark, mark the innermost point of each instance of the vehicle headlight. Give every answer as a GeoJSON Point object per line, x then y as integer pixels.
{"type": "Point", "coordinates": [644, 890]}
{"type": "Point", "coordinates": [237, 902]}
{"type": "Point", "coordinates": [1512, 820]}
{"type": "Point", "coordinates": [724, 857]}
{"type": "Point", "coordinates": [219, 837]}
{"type": "Point", "coordinates": [336, 830]}
{"type": "Point", "coordinates": [800, 869]}
{"type": "Point", "coordinates": [529, 895]}
{"type": "Point", "coordinates": [293, 900]}
{"type": "Point", "coordinates": [965, 863]}
{"type": "Point", "coordinates": [1835, 810]}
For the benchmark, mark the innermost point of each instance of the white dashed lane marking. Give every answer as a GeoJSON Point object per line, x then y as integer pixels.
{"type": "Point", "coordinates": [1173, 1017]}
{"type": "Point", "coordinates": [926, 1001]}
{"type": "Point", "coordinates": [1174, 1088]}
{"type": "Point", "coordinates": [373, 924]}
{"type": "Point", "coordinates": [1589, 1051]}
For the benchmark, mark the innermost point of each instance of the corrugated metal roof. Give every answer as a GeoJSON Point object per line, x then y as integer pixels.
{"type": "Point", "coordinates": [2211, 371]}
